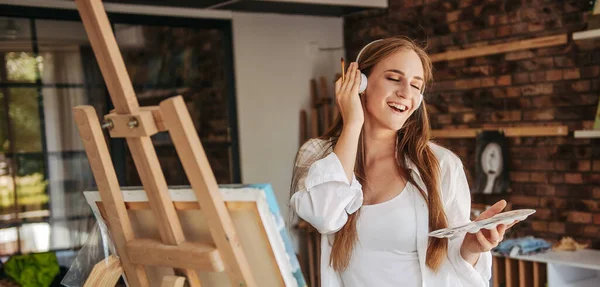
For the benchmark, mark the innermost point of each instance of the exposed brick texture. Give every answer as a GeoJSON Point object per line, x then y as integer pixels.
{"type": "Point", "coordinates": [558, 176]}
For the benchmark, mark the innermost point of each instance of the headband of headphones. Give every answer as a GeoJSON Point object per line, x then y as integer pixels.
{"type": "Point", "coordinates": [365, 47]}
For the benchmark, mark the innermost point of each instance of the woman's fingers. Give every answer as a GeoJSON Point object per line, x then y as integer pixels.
{"type": "Point", "coordinates": [490, 212]}
{"type": "Point", "coordinates": [338, 86]}
{"type": "Point", "coordinates": [351, 77]}
{"type": "Point", "coordinates": [483, 241]}
{"type": "Point", "coordinates": [501, 230]}
{"type": "Point", "coordinates": [347, 78]}
{"type": "Point", "coordinates": [350, 69]}
{"type": "Point", "coordinates": [356, 83]}
{"type": "Point", "coordinates": [494, 236]}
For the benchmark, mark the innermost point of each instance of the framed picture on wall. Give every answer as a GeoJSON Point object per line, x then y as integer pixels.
{"type": "Point", "coordinates": [492, 175]}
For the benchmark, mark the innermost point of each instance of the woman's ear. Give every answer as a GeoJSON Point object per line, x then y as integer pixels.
{"type": "Point", "coordinates": [363, 100]}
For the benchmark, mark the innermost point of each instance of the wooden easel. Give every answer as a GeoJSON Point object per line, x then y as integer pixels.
{"type": "Point", "coordinates": [136, 124]}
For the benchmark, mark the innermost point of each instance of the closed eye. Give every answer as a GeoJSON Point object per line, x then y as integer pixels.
{"type": "Point", "coordinates": [398, 81]}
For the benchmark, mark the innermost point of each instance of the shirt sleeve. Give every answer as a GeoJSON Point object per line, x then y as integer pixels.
{"type": "Point", "coordinates": [458, 209]}
{"type": "Point", "coordinates": [323, 195]}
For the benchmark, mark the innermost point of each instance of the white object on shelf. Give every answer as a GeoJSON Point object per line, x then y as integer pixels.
{"type": "Point", "coordinates": [589, 34]}
{"type": "Point", "coordinates": [592, 282]}
{"type": "Point", "coordinates": [587, 134]}
{"type": "Point", "coordinates": [569, 276]}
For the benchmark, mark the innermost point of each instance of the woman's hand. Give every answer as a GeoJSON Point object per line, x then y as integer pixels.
{"type": "Point", "coordinates": [348, 101]}
{"type": "Point", "coordinates": [485, 239]}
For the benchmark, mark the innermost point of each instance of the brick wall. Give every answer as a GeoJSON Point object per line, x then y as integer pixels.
{"type": "Point", "coordinates": [558, 176]}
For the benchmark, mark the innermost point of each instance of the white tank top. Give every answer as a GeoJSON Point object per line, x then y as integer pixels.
{"type": "Point", "coordinates": [386, 251]}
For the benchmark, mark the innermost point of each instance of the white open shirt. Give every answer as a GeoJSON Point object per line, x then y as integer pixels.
{"type": "Point", "coordinates": [324, 198]}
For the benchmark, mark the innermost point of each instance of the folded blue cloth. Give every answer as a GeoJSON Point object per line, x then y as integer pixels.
{"type": "Point", "coordinates": [522, 246]}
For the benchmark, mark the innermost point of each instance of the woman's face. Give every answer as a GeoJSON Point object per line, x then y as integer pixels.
{"type": "Point", "coordinates": [394, 90]}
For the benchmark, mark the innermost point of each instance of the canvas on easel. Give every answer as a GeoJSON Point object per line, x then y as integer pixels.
{"type": "Point", "coordinates": [172, 244]}
{"type": "Point", "coordinates": [255, 214]}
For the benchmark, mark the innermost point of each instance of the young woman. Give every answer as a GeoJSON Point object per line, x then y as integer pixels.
{"type": "Point", "coordinates": [374, 186]}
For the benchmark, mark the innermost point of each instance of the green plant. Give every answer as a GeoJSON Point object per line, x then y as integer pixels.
{"type": "Point", "coordinates": [33, 270]}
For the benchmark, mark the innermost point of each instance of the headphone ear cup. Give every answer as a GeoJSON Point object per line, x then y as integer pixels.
{"type": "Point", "coordinates": [420, 101]}
{"type": "Point", "coordinates": [363, 83]}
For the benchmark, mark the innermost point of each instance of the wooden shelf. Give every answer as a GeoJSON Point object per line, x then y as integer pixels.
{"type": "Point", "coordinates": [586, 134]}
{"type": "Point", "coordinates": [584, 35]}
{"type": "Point", "coordinates": [532, 131]}
{"type": "Point", "coordinates": [541, 42]}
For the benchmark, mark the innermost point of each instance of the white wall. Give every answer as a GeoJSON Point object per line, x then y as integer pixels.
{"type": "Point", "coordinates": [275, 58]}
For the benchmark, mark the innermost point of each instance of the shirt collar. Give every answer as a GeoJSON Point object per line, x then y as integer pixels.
{"type": "Point", "coordinates": [411, 166]}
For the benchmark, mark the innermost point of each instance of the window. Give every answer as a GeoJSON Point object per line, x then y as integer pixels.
{"type": "Point", "coordinates": [44, 72]}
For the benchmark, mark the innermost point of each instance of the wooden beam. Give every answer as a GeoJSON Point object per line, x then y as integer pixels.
{"type": "Point", "coordinates": [108, 55]}
{"type": "Point", "coordinates": [173, 281]}
{"type": "Point", "coordinates": [195, 164]}
{"type": "Point", "coordinates": [325, 103]}
{"type": "Point", "coordinates": [508, 131]}
{"type": "Point", "coordinates": [536, 131]}
{"type": "Point", "coordinates": [311, 260]}
{"type": "Point", "coordinates": [108, 187]}
{"type": "Point", "coordinates": [303, 133]}
{"type": "Point", "coordinates": [181, 205]}
{"type": "Point", "coordinates": [498, 271]}
{"type": "Point", "coordinates": [512, 272]}
{"type": "Point", "coordinates": [314, 123]}
{"type": "Point", "coordinates": [454, 133]}
{"type": "Point", "coordinates": [541, 42]}
{"type": "Point", "coordinates": [200, 256]}
{"type": "Point", "coordinates": [525, 273]}
{"type": "Point", "coordinates": [314, 94]}
{"type": "Point", "coordinates": [539, 274]}
{"type": "Point", "coordinates": [105, 273]}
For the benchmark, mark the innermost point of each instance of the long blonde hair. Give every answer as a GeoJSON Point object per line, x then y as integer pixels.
{"type": "Point", "coordinates": [412, 143]}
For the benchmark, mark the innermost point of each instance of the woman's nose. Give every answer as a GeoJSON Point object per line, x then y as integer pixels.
{"type": "Point", "coordinates": [404, 90]}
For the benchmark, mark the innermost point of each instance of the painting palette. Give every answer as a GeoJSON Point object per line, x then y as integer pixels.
{"type": "Point", "coordinates": [507, 217]}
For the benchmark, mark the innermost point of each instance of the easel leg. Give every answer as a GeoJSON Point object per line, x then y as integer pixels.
{"type": "Point", "coordinates": [105, 273]}
{"type": "Point", "coordinates": [195, 163]}
{"type": "Point", "coordinates": [173, 281]}
{"type": "Point", "coordinates": [110, 192]}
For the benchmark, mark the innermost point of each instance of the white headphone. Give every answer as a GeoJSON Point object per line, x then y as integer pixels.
{"type": "Point", "coordinates": [363, 78]}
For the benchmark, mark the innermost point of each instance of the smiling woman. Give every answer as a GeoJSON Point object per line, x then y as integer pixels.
{"type": "Point", "coordinates": [376, 172]}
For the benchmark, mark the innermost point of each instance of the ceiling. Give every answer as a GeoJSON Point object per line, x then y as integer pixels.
{"type": "Point", "coordinates": [302, 7]}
